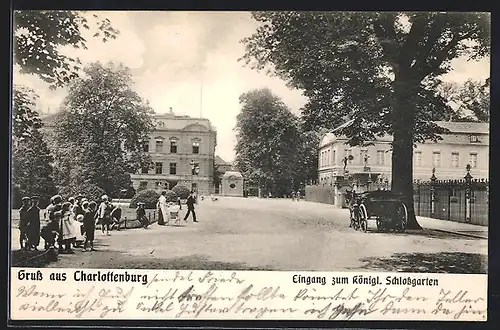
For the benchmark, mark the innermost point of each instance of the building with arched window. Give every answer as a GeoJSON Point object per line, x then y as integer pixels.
{"type": "Point", "coordinates": [182, 150]}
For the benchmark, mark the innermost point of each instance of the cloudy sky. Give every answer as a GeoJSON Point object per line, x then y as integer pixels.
{"type": "Point", "coordinates": [173, 54]}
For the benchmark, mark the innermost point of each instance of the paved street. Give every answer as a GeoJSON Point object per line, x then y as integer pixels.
{"type": "Point", "coordinates": [239, 233]}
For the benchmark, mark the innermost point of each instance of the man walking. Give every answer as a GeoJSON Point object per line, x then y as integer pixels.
{"type": "Point", "coordinates": [191, 200]}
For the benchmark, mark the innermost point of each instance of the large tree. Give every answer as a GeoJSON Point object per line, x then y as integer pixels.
{"type": "Point", "coordinates": [39, 36]}
{"type": "Point", "coordinates": [101, 129]}
{"type": "Point", "coordinates": [376, 70]}
{"type": "Point", "coordinates": [32, 172]}
{"type": "Point", "coordinates": [271, 150]}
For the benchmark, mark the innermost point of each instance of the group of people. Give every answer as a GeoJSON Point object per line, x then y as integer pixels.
{"type": "Point", "coordinates": [168, 208]}
{"type": "Point", "coordinates": [295, 195]}
{"type": "Point", "coordinates": [69, 223]}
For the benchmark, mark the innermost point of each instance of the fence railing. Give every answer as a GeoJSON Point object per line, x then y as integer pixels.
{"type": "Point", "coordinates": [465, 200]}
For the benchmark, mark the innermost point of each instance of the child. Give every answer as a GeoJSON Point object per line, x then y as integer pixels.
{"type": "Point", "coordinates": [141, 215]}
{"type": "Point", "coordinates": [89, 224]}
{"type": "Point", "coordinates": [51, 230]}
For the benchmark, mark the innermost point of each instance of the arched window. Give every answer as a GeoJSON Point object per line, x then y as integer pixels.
{"type": "Point", "coordinates": [196, 145]}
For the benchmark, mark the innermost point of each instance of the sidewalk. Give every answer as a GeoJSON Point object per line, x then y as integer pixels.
{"type": "Point", "coordinates": [459, 228]}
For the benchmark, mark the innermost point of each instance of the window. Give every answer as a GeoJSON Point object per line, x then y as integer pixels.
{"type": "Point", "coordinates": [380, 157]}
{"type": "Point", "coordinates": [473, 160]}
{"type": "Point", "coordinates": [436, 159]}
{"type": "Point", "coordinates": [194, 186]}
{"type": "Point", "coordinates": [173, 147]}
{"type": "Point", "coordinates": [418, 158]}
{"type": "Point", "coordinates": [145, 170]}
{"type": "Point", "coordinates": [159, 146]}
{"type": "Point", "coordinates": [145, 147]}
{"type": "Point", "coordinates": [196, 147]}
{"type": "Point", "coordinates": [455, 159]}
{"type": "Point", "coordinates": [334, 157]}
{"type": "Point", "coordinates": [232, 186]}
{"type": "Point", "coordinates": [474, 139]}
{"type": "Point", "coordinates": [159, 168]}
{"type": "Point", "coordinates": [173, 168]}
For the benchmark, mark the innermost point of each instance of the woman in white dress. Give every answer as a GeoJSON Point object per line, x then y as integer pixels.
{"type": "Point", "coordinates": [162, 201]}
{"type": "Point", "coordinates": [68, 227]}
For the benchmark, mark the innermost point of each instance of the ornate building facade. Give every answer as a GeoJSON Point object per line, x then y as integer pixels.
{"type": "Point", "coordinates": [466, 143]}
{"type": "Point", "coordinates": [182, 149]}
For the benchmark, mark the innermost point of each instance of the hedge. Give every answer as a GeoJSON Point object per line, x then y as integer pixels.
{"type": "Point", "coordinates": [181, 191]}
{"type": "Point", "coordinates": [148, 197]}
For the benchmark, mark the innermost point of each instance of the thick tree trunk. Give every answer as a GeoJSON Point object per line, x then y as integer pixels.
{"type": "Point", "coordinates": [402, 153]}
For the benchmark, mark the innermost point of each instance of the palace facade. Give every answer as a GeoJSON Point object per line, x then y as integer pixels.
{"type": "Point", "coordinates": [182, 150]}
{"type": "Point", "coordinates": [466, 143]}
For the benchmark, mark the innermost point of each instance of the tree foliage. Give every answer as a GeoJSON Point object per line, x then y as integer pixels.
{"type": "Point", "coordinates": [375, 70]}
{"type": "Point", "coordinates": [25, 119]}
{"type": "Point", "coordinates": [100, 130]}
{"type": "Point", "coordinates": [271, 151]}
{"type": "Point", "coordinates": [88, 190]}
{"type": "Point", "coordinates": [39, 36]}
{"type": "Point", "coordinates": [32, 172]}
{"type": "Point", "coordinates": [471, 100]}
{"type": "Point", "coordinates": [181, 191]}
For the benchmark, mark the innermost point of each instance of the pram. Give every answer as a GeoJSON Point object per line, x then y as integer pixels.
{"type": "Point", "coordinates": [173, 214]}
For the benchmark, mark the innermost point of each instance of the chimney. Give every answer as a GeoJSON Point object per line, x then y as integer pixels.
{"type": "Point", "coordinates": [171, 111]}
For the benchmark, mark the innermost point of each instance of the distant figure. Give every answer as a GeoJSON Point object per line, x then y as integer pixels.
{"type": "Point", "coordinates": [33, 215]}
{"type": "Point", "coordinates": [293, 195]}
{"type": "Point", "coordinates": [179, 202]}
{"type": "Point", "coordinates": [23, 223]}
{"type": "Point", "coordinates": [298, 195]}
{"type": "Point", "coordinates": [191, 200]}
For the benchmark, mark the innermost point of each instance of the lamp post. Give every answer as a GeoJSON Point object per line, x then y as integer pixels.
{"type": "Point", "coordinates": [433, 192]}
{"type": "Point", "coordinates": [368, 182]}
{"type": "Point", "coordinates": [468, 193]}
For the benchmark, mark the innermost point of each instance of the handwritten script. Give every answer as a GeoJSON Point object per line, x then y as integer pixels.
{"type": "Point", "coordinates": [243, 295]}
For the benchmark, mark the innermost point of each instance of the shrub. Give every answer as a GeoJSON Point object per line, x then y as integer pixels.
{"type": "Point", "coordinates": [88, 190]}
{"type": "Point", "coordinates": [148, 197]}
{"type": "Point", "coordinates": [171, 196]}
{"type": "Point", "coordinates": [181, 191]}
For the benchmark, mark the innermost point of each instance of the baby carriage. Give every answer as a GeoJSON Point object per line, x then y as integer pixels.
{"type": "Point", "coordinates": [174, 214]}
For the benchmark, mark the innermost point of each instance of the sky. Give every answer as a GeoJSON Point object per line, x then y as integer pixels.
{"type": "Point", "coordinates": [189, 61]}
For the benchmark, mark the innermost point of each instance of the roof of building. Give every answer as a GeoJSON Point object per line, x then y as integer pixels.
{"type": "Point", "coordinates": [453, 127]}
{"type": "Point", "coordinates": [170, 121]}
{"type": "Point", "coordinates": [232, 173]}
{"type": "Point", "coordinates": [220, 161]}
{"type": "Point", "coordinates": [465, 127]}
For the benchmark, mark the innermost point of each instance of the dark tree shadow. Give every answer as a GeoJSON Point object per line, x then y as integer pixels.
{"type": "Point", "coordinates": [22, 258]}
{"type": "Point", "coordinates": [193, 262]}
{"type": "Point", "coordinates": [443, 262]}
{"type": "Point", "coordinates": [430, 233]}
